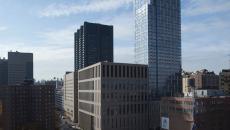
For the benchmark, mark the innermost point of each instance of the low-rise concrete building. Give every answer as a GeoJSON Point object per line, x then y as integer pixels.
{"type": "Point", "coordinates": [113, 96]}
{"type": "Point", "coordinates": [200, 113]}
{"type": "Point", "coordinates": [71, 96]}
{"type": "Point", "coordinates": [208, 93]}
{"type": "Point", "coordinates": [59, 99]}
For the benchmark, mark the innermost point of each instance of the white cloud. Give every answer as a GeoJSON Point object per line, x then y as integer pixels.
{"type": "Point", "coordinates": [123, 25]}
{"type": "Point", "coordinates": [3, 28]}
{"type": "Point", "coordinates": [206, 26]}
{"type": "Point", "coordinates": [94, 6]}
{"type": "Point", "coordinates": [49, 60]}
{"type": "Point", "coordinates": [205, 30]}
{"type": "Point", "coordinates": [202, 7]}
{"type": "Point", "coordinates": [53, 52]}
{"type": "Point", "coordinates": [59, 37]}
{"type": "Point", "coordinates": [124, 54]}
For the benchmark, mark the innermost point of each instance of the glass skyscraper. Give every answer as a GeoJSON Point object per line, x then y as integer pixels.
{"type": "Point", "coordinates": [158, 43]}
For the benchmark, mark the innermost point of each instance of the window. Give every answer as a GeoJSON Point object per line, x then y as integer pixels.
{"type": "Point", "coordinates": [135, 74]}
{"type": "Point", "coordinates": [128, 71]}
{"type": "Point", "coordinates": [115, 71]}
{"type": "Point", "coordinates": [131, 73]}
{"type": "Point", "coordinates": [142, 72]}
{"type": "Point", "coordinates": [103, 71]}
{"type": "Point", "coordinates": [123, 71]}
{"type": "Point", "coordinates": [146, 72]}
{"type": "Point", "coordinates": [107, 71]}
{"type": "Point", "coordinates": [138, 69]}
{"type": "Point", "coordinates": [119, 71]}
{"type": "Point", "coordinates": [111, 71]}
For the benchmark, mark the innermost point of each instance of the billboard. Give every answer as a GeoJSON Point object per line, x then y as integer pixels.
{"type": "Point", "coordinates": [165, 123]}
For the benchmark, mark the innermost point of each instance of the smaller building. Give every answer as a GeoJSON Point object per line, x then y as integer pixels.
{"type": "Point", "coordinates": [20, 67]}
{"type": "Point", "coordinates": [113, 96]}
{"type": "Point", "coordinates": [2, 117]}
{"type": "Point", "coordinates": [188, 83]}
{"type": "Point", "coordinates": [225, 81]}
{"type": "Point", "coordinates": [71, 95]}
{"type": "Point", "coordinates": [206, 80]}
{"type": "Point", "coordinates": [27, 107]}
{"type": "Point", "coordinates": [200, 113]}
{"type": "Point", "coordinates": [59, 99]}
{"type": "Point", "coordinates": [208, 93]}
{"type": "Point", "coordinates": [3, 71]}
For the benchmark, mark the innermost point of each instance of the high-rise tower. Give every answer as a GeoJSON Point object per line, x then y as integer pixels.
{"type": "Point", "coordinates": [20, 67]}
{"type": "Point", "coordinates": [93, 43]}
{"type": "Point", "coordinates": [158, 43]}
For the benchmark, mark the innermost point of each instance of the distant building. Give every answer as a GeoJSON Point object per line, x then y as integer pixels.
{"type": "Point", "coordinates": [93, 43]}
{"type": "Point", "coordinates": [27, 107]}
{"type": "Point", "coordinates": [225, 81]}
{"type": "Point", "coordinates": [205, 93]}
{"type": "Point", "coordinates": [208, 93]}
{"type": "Point", "coordinates": [113, 96]}
{"type": "Point", "coordinates": [188, 83]}
{"type": "Point", "coordinates": [2, 114]}
{"type": "Point", "coordinates": [20, 67]}
{"type": "Point", "coordinates": [59, 99]}
{"type": "Point", "coordinates": [71, 95]}
{"type": "Point", "coordinates": [203, 113]}
{"type": "Point", "coordinates": [206, 80]}
{"type": "Point", "coordinates": [3, 71]}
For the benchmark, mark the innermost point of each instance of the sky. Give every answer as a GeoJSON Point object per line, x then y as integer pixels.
{"type": "Point", "coordinates": [46, 28]}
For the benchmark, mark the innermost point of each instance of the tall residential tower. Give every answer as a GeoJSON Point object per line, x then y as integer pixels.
{"type": "Point", "coordinates": [93, 43]}
{"type": "Point", "coordinates": [158, 43]}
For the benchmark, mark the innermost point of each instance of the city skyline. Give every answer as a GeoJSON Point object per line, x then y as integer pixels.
{"type": "Point", "coordinates": [47, 30]}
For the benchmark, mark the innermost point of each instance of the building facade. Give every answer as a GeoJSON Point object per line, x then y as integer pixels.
{"type": "Point", "coordinates": [43, 106]}
{"type": "Point", "coordinates": [20, 67]}
{"type": "Point", "coordinates": [59, 99]}
{"type": "Point", "coordinates": [208, 93]}
{"type": "Point", "coordinates": [201, 113]}
{"type": "Point", "coordinates": [113, 96]}
{"type": "Point", "coordinates": [158, 42]}
{"type": "Point", "coordinates": [93, 43]}
{"type": "Point", "coordinates": [188, 83]}
{"type": "Point", "coordinates": [225, 81]}
{"type": "Point", "coordinates": [27, 107]}
{"type": "Point", "coordinates": [3, 71]}
{"type": "Point", "coordinates": [71, 95]}
{"type": "Point", "coordinates": [206, 80]}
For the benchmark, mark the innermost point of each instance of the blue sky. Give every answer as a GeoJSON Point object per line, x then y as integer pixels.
{"type": "Point", "coordinates": [46, 27]}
